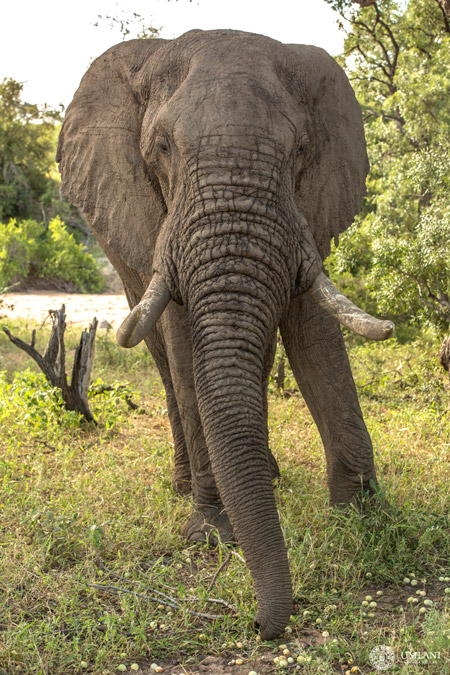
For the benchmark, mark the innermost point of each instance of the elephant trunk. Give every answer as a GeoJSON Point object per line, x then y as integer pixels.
{"type": "Point", "coordinates": [233, 309]}
{"type": "Point", "coordinates": [229, 392]}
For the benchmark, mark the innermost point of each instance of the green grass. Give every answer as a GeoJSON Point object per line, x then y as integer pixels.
{"type": "Point", "coordinates": [84, 506]}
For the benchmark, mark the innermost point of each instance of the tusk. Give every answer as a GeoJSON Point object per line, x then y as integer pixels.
{"type": "Point", "coordinates": [144, 316]}
{"type": "Point", "coordinates": [348, 314]}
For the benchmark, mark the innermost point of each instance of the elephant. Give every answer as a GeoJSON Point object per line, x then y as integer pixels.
{"type": "Point", "coordinates": [214, 170]}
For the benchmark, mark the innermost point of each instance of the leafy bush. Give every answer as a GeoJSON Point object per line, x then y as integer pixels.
{"type": "Point", "coordinates": [29, 404]}
{"type": "Point", "coordinates": [28, 248]}
{"type": "Point", "coordinates": [41, 407]}
{"type": "Point", "coordinates": [18, 247]}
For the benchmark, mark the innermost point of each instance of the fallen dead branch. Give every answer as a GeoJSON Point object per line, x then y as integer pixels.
{"type": "Point", "coordinates": [174, 605]}
{"type": "Point", "coordinates": [34, 445]}
{"type": "Point", "coordinates": [219, 570]}
{"type": "Point", "coordinates": [164, 598]}
{"type": "Point", "coordinates": [97, 390]}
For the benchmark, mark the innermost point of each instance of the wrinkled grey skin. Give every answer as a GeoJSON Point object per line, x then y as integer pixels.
{"type": "Point", "coordinates": [226, 162]}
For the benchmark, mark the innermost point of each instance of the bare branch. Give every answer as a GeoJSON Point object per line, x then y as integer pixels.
{"type": "Point", "coordinates": [174, 600]}
{"type": "Point", "coordinates": [116, 589]}
{"type": "Point", "coordinates": [444, 6]}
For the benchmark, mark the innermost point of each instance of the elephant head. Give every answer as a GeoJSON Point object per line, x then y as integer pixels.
{"type": "Point", "coordinates": [217, 167]}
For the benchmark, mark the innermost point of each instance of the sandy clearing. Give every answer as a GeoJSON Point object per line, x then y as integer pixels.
{"type": "Point", "coordinates": [80, 308]}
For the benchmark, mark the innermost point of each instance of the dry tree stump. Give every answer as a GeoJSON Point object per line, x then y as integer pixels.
{"type": "Point", "coordinates": [53, 362]}
{"type": "Point", "coordinates": [444, 355]}
{"type": "Point", "coordinates": [444, 358]}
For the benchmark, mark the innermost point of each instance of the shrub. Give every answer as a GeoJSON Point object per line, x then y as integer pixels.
{"type": "Point", "coordinates": [18, 247]}
{"type": "Point", "coordinates": [28, 248]}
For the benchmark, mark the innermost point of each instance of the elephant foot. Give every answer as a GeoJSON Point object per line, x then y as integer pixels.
{"type": "Point", "coordinates": [209, 524]}
{"type": "Point", "coordinates": [359, 491]}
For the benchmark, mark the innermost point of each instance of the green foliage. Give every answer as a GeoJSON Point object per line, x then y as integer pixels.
{"type": "Point", "coordinates": [42, 410]}
{"type": "Point", "coordinates": [29, 248]}
{"type": "Point", "coordinates": [18, 247]}
{"type": "Point", "coordinates": [28, 133]}
{"type": "Point", "coordinates": [41, 405]}
{"type": "Point", "coordinates": [67, 259]}
{"type": "Point", "coordinates": [112, 398]}
{"type": "Point", "coordinates": [397, 56]}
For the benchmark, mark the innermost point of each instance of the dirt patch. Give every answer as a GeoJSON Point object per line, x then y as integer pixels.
{"type": "Point", "coordinates": [221, 664]}
{"type": "Point", "coordinates": [42, 284]}
{"type": "Point", "coordinates": [109, 308]}
{"type": "Point", "coordinates": [215, 665]}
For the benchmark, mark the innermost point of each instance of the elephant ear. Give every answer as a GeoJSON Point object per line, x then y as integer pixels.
{"type": "Point", "coordinates": [99, 157]}
{"type": "Point", "coordinates": [331, 188]}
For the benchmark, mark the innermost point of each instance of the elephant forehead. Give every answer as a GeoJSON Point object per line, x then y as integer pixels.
{"type": "Point", "coordinates": [221, 49]}
{"type": "Point", "coordinates": [219, 61]}
{"type": "Point", "coordinates": [220, 83]}
{"type": "Point", "coordinates": [238, 102]}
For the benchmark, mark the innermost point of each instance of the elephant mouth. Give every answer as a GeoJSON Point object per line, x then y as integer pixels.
{"type": "Point", "coordinates": [142, 319]}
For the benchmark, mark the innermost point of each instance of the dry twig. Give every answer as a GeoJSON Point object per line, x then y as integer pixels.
{"type": "Point", "coordinates": [174, 605]}
{"type": "Point", "coordinates": [219, 570]}
{"type": "Point", "coordinates": [169, 600]}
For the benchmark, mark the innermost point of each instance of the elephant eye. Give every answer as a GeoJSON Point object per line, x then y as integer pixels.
{"type": "Point", "coordinates": [162, 145]}
{"type": "Point", "coordinates": [303, 144]}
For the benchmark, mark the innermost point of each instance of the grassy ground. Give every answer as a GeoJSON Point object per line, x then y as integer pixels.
{"type": "Point", "coordinates": [86, 511]}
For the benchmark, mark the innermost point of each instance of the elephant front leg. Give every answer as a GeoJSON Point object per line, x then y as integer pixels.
{"type": "Point", "coordinates": [317, 354]}
{"type": "Point", "coordinates": [182, 469]}
{"type": "Point", "coordinates": [182, 477]}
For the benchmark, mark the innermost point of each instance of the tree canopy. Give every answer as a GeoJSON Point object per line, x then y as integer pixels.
{"type": "Point", "coordinates": [28, 135]}
{"type": "Point", "coordinates": [397, 56]}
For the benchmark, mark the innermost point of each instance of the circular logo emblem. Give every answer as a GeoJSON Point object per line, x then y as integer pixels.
{"type": "Point", "coordinates": [382, 657]}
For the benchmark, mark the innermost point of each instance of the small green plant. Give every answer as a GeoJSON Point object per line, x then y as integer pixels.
{"type": "Point", "coordinates": [41, 405]}
{"type": "Point", "coordinates": [110, 400]}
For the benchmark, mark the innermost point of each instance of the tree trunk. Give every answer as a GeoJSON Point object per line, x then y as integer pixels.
{"type": "Point", "coordinates": [444, 357]}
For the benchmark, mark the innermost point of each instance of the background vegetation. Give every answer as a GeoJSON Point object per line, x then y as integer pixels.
{"type": "Point", "coordinates": [29, 248]}
{"type": "Point", "coordinates": [397, 56]}
{"type": "Point", "coordinates": [41, 235]}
